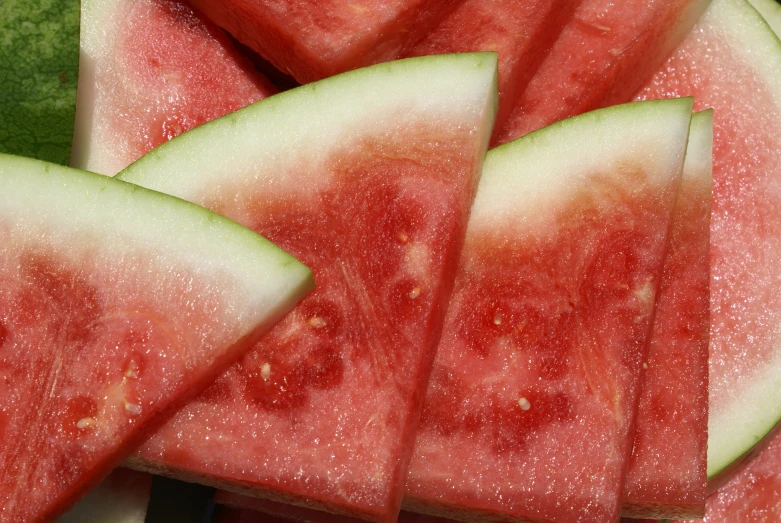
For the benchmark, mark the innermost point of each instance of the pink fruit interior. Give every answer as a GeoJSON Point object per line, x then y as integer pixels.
{"type": "Point", "coordinates": [601, 58]}
{"type": "Point", "coordinates": [170, 71]}
{"type": "Point", "coordinates": [530, 408]}
{"type": "Point", "coordinates": [666, 476]}
{"type": "Point", "coordinates": [746, 214]}
{"type": "Point", "coordinates": [324, 407]}
{"type": "Point", "coordinates": [520, 32]}
{"type": "Point", "coordinates": [89, 354]}
{"type": "Point", "coordinates": [313, 39]}
{"type": "Point", "coordinates": [752, 495]}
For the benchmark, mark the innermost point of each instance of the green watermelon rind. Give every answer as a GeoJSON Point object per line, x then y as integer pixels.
{"type": "Point", "coordinates": [67, 202]}
{"type": "Point", "coordinates": [735, 431]}
{"type": "Point", "coordinates": [323, 113]}
{"type": "Point", "coordinates": [39, 60]}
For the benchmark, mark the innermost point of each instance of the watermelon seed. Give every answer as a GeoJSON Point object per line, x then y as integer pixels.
{"type": "Point", "coordinates": [265, 371]}
{"type": "Point", "coordinates": [317, 322]}
{"type": "Point", "coordinates": [498, 318]}
{"type": "Point", "coordinates": [645, 365]}
{"type": "Point", "coordinates": [84, 423]}
{"type": "Point", "coordinates": [524, 404]}
{"type": "Point", "coordinates": [132, 408]}
{"type": "Point", "coordinates": [402, 237]}
{"type": "Point", "coordinates": [414, 293]}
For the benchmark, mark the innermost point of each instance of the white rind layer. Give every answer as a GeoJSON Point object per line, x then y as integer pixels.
{"type": "Point", "coordinates": [771, 12]}
{"type": "Point", "coordinates": [559, 161]}
{"type": "Point", "coordinates": [699, 151]}
{"type": "Point", "coordinates": [98, 18]}
{"type": "Point", "coordinates": [736, 427]}
{"type": "Point", "coordinates": [80, 213]}
{"type": "Point", "coordinates": [262, 144]}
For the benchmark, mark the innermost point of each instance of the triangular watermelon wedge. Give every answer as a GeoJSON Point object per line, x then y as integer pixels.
{"type": "Point", "coordinates": [150, 70]}
{"type": "Point", "coordinates": [666, 477]}
{"type": "Point", "coordinates": [732, 63]}
{"type": "Point", "coordinates": [603, 55]}
{"type": "Point", "coordinates": [529, 413]}
{"type": "Point", "coordinates": [116, 304]}
{"type": "Point", "coordinates": [368, 176]}
{"type": "Point", "coordinates": [313, 40]}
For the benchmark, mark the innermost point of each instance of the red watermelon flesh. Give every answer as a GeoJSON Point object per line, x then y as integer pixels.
{"type": "Point", "coordinates": [754, 495]}
{"type": "Point", "coordinates": [150, 70]}
{"type": "Point", "coordinates": [667, 471]}
{"type": "Point", "coordinates": [322, 412]}
{"type": "Point", "coordinates": [529, 411]}
{"type": "Point", "coordinates": [121, 498]}
{"type": "Point", "coordinates": [521, 32]}
{"type": "Point", "coordinates": [115, 303]}
{"type": "Point", "coordinates": [730, 53]}
{"type": "Point", "coordinates": [603, 55]}
{"type": "Point", "coordinates": [313, 39]}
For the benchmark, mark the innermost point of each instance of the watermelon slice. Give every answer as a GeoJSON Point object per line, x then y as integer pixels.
{"type": "Point", "coordinates": [732, 52]}
{"type": "Point", "coordinates": [323, 411]}
{"type": "Point", "coordinates": [667, 471]}
{"type": "Point", "coordinates": [601, 58]}
{"type": "Point", "coordinates": [520, 32]}
{"type": "Point", "coordinates": [313, 39]}
{"type": "Point", "coordinates": [115, 303]}
{"type": "Point", "coordinates": [150, 70]}
{"type": "Point", "coordinates": [39, 57]}
{"type": "Point", "coordinates": [529, 413]}
{"type": "Point", "coordinates": [120, 498]}
{"type": "Point", "coordinates": [754, 495]}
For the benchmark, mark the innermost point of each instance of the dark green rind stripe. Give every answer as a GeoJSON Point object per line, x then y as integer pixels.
{"type": "Point", "coordinates": [39, 63]}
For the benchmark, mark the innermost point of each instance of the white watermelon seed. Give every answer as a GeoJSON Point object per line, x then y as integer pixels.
{"type": "Point", "coordinates": [265, 371]}
{"type": "Point", "coordinates": [524, 404]}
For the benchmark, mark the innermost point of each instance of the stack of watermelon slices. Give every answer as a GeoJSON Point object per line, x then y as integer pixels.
{"type": "Point", "coordinates": [667, 83]}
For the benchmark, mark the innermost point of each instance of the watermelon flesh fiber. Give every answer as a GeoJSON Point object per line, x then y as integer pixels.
{"type": "Point", "coordinates": [602, 57]}
{"type": "Point", "coordinates": [666, 476]}
{"type": "Point", "coordinates": [92, 354]}
{"type": "Point", "coordinates": [520, 32]}
{"type": "Point", "coordinates": [337, 383]}
{"type": "Point", "coordinates": [745, 303]}
{"type": "Point", "coordinates": [313, 39]}
{"type": "Point", "coordinates": [150, 70]}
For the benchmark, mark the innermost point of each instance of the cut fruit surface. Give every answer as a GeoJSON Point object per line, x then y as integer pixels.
{"type": "Point", "coordinates": [520, 32]}
{"type": "Point", "coordinates": [667, 477]}
{"type": "Point", "coordinates": [323, 411]}
{"type": "Point", "coordinates": [603, 55]}
{"type": "Point", "coordinates": [314, 39]}
{"type": "Point", "coordinates": [150, 70]}
{"type": "Point", "coordinates": [771, 12]}
{"type": "Point", "coordinates": [732, 52]}
{"type": "Point", "coordinates": [753, 495]}
{"type": "Point", "coordinates": [116, 302]}
{"type": "Point", "coordinates": [529, 413]}
{"type": "Point", "coordinates": [121, 498]}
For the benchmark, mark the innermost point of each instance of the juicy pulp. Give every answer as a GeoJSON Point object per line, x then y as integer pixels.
{"type": "Point", "coordinates": [313, 39]}
{"type": "Point", "coordinates": [323, 411]}
{"type": "Point", "coordinates": [150, 70]}
{"type": "Point", "coordinates": [529, 412]}
{"type": "Point", "coordinates": [603, 55]}
{"type": "Point", "coordinates": [730, 52]}
{"type": "Point", "coordinates": [116, 303]}
{"type": "Point", "coordinates": [667, 477]}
